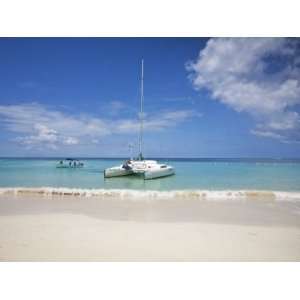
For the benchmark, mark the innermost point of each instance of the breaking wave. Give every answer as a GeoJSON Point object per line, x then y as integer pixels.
{"type": "Point", "coordinates": [149, 194]}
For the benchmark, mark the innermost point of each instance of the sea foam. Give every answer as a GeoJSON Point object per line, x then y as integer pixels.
{"type": "Point", "coordinates": [151, 194]}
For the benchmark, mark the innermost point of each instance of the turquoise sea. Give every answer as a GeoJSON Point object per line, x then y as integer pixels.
{"type": "Point", "coordinates": [191, 174]}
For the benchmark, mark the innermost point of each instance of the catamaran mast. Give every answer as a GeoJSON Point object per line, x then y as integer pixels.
{"type": "Point", "coordinates": [141, 114]}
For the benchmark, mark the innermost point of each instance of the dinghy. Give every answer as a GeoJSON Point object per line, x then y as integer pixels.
{"type": "Point", "coordinates": [148, 169]}
{"type": "Point", "coordinates": [69, 163]}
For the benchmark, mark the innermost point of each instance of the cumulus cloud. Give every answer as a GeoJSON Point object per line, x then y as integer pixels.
{"type": "Point", "coordinates": [258, 76]}
{"type": "Point", "coordinates": [37, 125]}
{"type": "Point", "coordinates": [42, 134]}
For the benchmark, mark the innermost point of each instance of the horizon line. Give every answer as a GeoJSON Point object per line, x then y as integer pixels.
{"type": "Point", "coordinates": [151, 157]}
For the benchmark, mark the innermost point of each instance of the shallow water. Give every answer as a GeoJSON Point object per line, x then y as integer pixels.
{"type": "Point", "coordinates": [200, 174]}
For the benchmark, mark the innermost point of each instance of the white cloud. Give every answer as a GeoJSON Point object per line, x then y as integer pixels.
{"type": "Point", "coordinates": [29, 118]}
{"type": "Point", "coordinates": [71, 141]}
{"type": "Point", "coordinates": [161, 121]}
{"type": "Point", "coordinates": [41, 135]}
{"type": "Point", "coordinates": [37, 125]}
{"type": "Point", "coordinates": [259, 76]}
{"type": "Point", "coordinates": [267, 134]}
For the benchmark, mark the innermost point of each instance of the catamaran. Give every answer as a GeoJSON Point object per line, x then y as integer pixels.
{"type": "Point", "coordinates": [148, 169]}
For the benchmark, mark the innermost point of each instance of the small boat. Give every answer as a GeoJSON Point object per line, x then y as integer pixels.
{"type": "Point", "coordinates": [69, 163]}
{"type": "Point", "coordinates": [149, 169]}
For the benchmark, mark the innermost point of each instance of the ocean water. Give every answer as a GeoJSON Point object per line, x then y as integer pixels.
{"type": "Point", "coordinates": [191, 174]}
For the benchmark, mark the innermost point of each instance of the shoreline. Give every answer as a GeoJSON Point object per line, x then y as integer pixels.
{"type": "Point", "coordinates": [74, 228]}
{"type": "Point", "coordinates": [201, 194]}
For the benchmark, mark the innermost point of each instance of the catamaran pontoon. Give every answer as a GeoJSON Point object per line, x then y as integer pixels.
{"type": "Point", "coordinates": [149, 169]}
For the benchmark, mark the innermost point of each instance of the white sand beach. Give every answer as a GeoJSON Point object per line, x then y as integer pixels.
{"type": "Point", "coordinates": [74, 228]}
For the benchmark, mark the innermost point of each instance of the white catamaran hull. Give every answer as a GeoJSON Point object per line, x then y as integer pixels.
{"type": "Point", "coordinates": [116, 172]}
{"type": "Point", "coordinates": [157, 173]}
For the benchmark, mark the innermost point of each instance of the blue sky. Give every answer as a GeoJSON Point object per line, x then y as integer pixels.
{"type": "Point", "coordinates": [203, 97]}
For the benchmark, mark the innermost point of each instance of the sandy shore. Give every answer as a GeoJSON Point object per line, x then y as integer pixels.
{"type": "Point", "coordinates": [55, 228]}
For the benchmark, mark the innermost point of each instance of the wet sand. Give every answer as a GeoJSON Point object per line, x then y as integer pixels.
{"type": "Point", "coordinates": [73, 228]}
